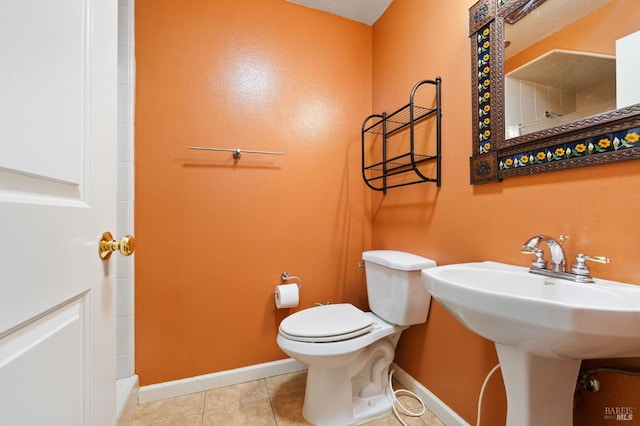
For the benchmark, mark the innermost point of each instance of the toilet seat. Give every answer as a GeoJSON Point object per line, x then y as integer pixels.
{"type": "Point", "coordinates": [326, 323]}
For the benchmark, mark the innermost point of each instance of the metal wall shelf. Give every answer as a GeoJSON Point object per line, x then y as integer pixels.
{"type": "Point", "coordinates": [376, 171]}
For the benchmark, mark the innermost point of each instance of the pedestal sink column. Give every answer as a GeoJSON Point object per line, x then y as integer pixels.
{"type": "Point", "coordinates": [539, 390]}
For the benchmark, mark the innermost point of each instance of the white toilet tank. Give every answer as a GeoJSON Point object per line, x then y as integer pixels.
{"type": "Point", "coordinates": [394, 286]}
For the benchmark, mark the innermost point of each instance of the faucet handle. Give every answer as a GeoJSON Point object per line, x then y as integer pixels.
{"type": "Point", "coordinates": [538, 262]}
{"type": "Point", "coordinates": [580, 268]}
{"type": "Point", "coordinates": [599, 259]}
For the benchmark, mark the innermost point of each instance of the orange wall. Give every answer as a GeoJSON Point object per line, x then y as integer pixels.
{"type": "Point", "coordinates": [213, 235]}
{"type": "Point", "coordinates": [595, 206]}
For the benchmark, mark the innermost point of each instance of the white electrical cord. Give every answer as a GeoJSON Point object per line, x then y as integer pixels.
{"type": "Point", "coordinates": [486, 380]}
{"type": "Point", "coordinates": [406, 411]}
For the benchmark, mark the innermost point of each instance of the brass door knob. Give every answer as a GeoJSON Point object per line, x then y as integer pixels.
{"type": "Point", "coordinates": [107, 245]}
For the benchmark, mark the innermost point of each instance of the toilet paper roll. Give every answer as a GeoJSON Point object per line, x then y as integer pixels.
{"type": "Point", "coordinates": [287, 296]}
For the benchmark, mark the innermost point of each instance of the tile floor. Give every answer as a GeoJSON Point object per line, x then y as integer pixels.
{"type": "Point", "coordinates": [274, 401]}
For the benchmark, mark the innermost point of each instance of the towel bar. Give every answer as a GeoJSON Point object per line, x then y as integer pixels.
{"type": "Point", "coordinates": [237, 152]}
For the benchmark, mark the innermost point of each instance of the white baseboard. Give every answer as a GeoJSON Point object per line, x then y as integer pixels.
{"type": "Point", "coordinates": [260, 371]}
{"type": "Point", "coordinates": [217, 380]}
{"type": "Point", "coordinates": [433, 403]}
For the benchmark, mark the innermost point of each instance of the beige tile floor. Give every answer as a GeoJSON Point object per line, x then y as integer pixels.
{"type": "Point", "coordinates": [274, 401]}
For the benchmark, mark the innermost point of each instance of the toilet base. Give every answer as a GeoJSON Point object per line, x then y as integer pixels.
{"type": "Point", "coordinates": [357, 391]}
{"type": "Point", "coordinates": [334, 406]}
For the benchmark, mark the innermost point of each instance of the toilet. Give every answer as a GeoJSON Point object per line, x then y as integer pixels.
{"type": "Point", "coordinates": [348, 351]}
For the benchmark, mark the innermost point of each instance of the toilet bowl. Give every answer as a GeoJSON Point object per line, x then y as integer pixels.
{"type": "Point", "coordinates": [348, 351]}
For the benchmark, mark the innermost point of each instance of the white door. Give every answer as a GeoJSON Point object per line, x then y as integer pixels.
{"type": "Point", "coordinates": [58, 68]}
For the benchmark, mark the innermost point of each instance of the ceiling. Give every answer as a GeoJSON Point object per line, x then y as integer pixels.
{"type": "Point", "coordinates": [365, 11]}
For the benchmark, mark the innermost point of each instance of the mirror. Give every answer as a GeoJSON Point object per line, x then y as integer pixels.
{"type": "Point", "coordinates": [554, 85]}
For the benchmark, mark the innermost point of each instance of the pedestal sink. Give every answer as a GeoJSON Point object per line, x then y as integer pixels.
{"type": "Point", "coordinates": [542, 328]}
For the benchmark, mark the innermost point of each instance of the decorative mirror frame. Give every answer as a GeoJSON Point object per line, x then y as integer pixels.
{"type": "Point", "coordinates": [603, 138]}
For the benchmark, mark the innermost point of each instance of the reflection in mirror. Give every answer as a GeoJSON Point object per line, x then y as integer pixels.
{"type": "Point", "coordinates": [563, 58]}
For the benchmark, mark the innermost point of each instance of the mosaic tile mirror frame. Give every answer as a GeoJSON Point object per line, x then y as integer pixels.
{"type": "Point", "coordinates": [507, 143]}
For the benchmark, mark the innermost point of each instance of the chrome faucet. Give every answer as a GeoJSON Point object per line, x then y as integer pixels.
{"type": "Point", "coordinates": [558, 269]}
{"type": "Point", "coordinates": [558, 262]}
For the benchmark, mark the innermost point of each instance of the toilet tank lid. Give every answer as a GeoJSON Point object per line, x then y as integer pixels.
{"type": "Point", "coordinates": [398, 260]}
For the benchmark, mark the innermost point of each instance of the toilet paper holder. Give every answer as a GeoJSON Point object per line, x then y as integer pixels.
{"type": "Point", "coordinates": [286, 277]}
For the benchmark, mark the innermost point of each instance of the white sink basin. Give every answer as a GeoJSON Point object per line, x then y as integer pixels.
{"type": "Point", "coordinates": [544, 316]}
{"type": "Point", "coordinates": [542, 328]}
